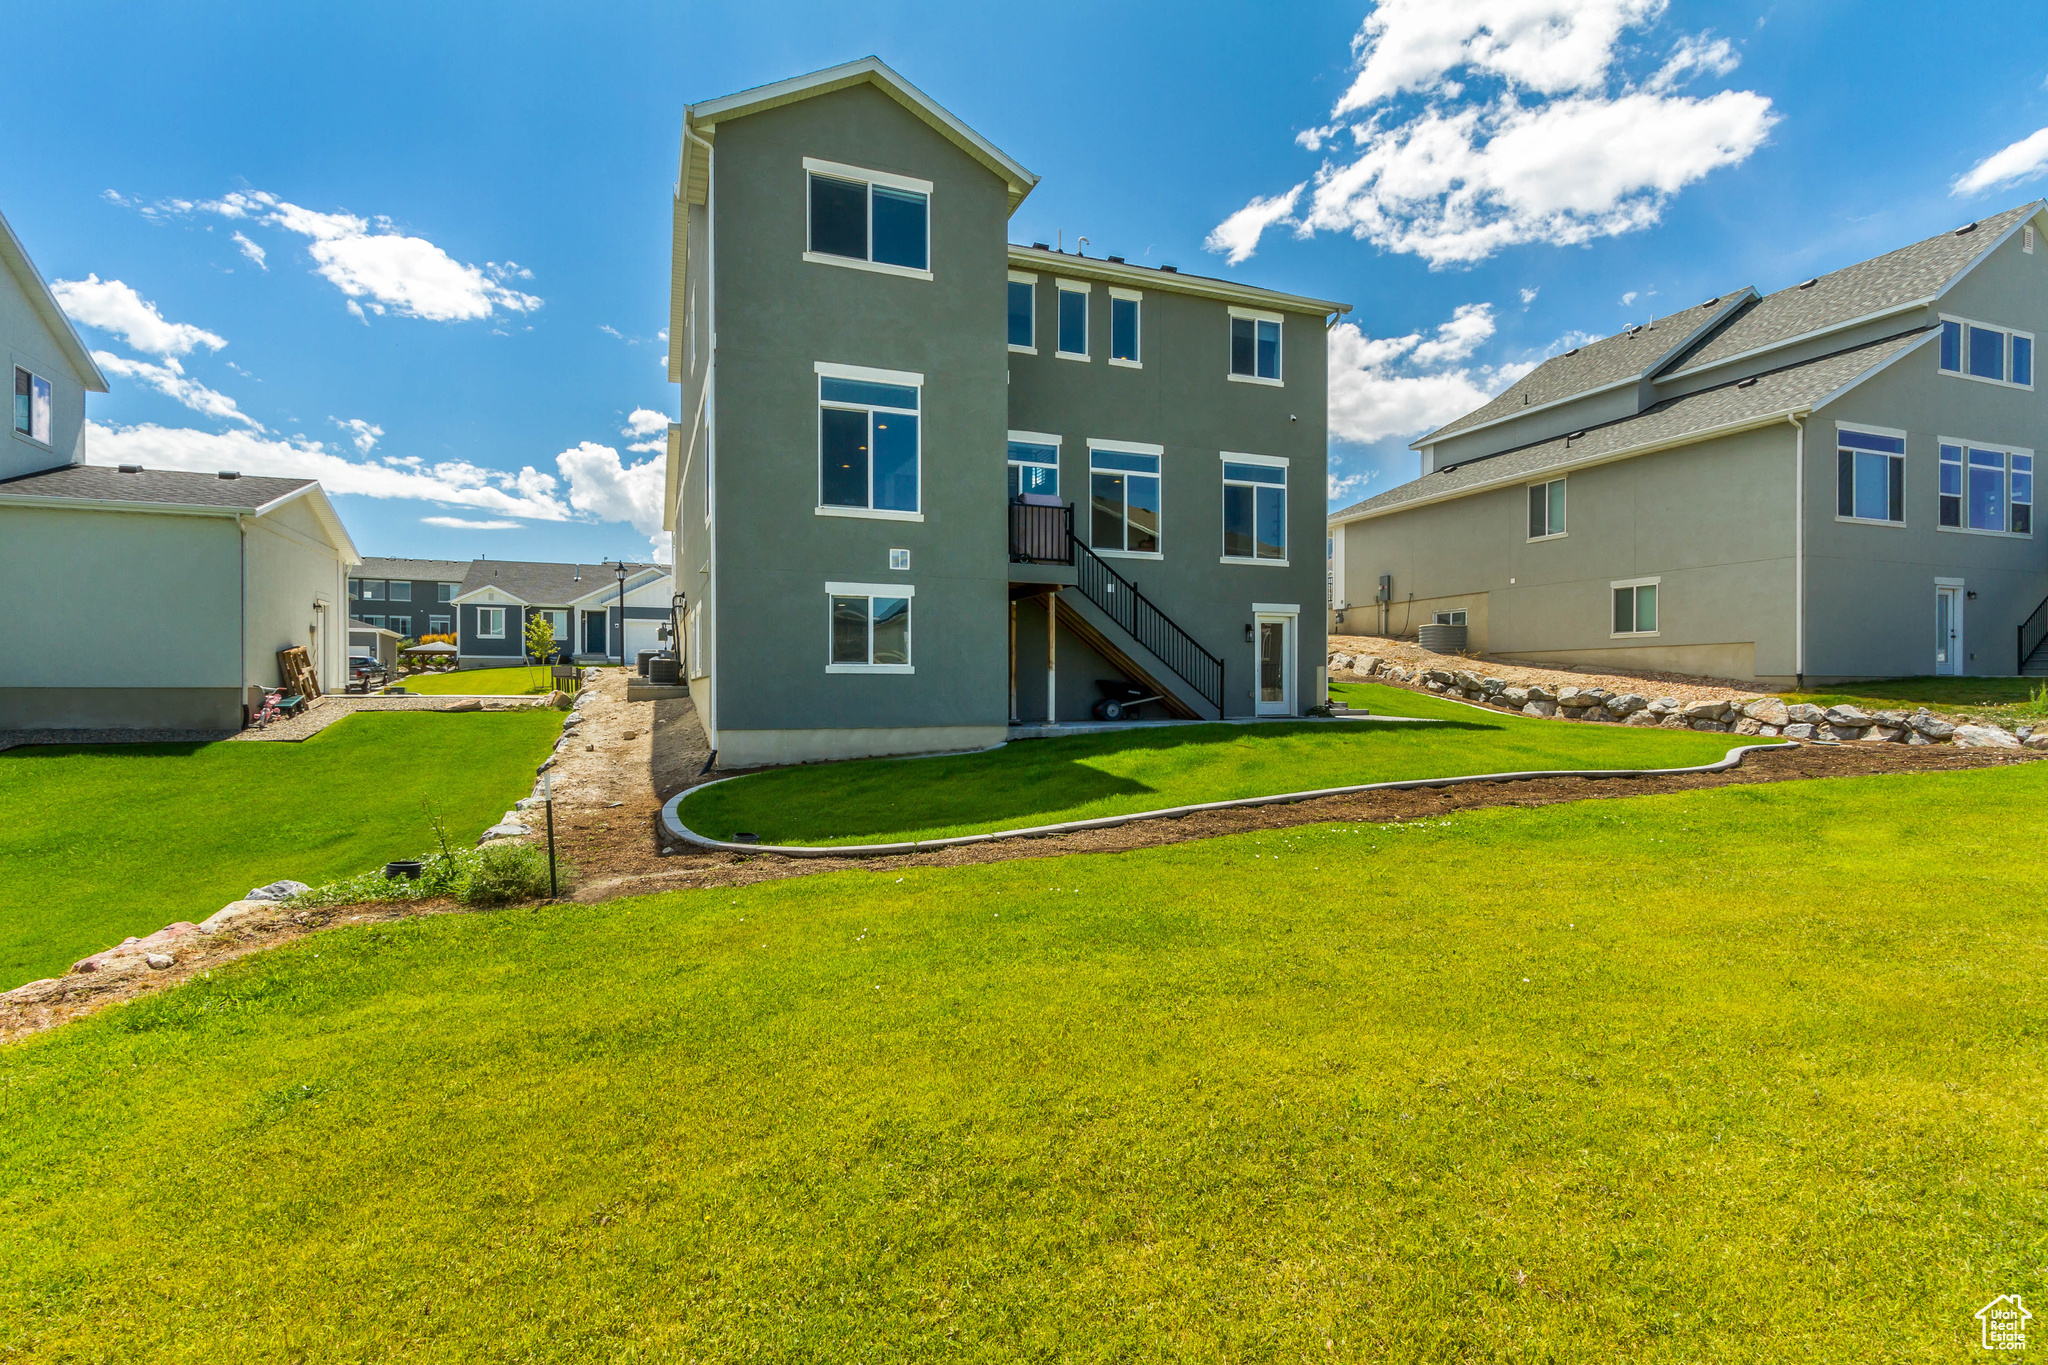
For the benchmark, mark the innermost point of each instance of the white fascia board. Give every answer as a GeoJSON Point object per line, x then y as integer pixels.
{"type": "Point", "coordinates": [1144, 277]}
{"type": "Point", "coordinates": [324, 513]}
{"type": "Point", "coordinates": [175, 509]}
{"type": "Point", "coordinates": [516, 600]}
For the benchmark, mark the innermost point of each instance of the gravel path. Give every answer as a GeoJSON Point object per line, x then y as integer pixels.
{"type": "Point", "coordinates": [326, 710]}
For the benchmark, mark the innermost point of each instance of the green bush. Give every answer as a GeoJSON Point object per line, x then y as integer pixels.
{"type": "Point", "coordinates": [496, 874]}
{"type": "Point", "coordinates": [506, 872]}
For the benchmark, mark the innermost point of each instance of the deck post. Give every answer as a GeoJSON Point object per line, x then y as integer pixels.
{"type": "Point", "coordinates": [1052, 678]}
{"type": "Point", "coordinates": [1013, 661]}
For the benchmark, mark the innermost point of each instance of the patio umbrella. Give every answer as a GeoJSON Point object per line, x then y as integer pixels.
{"type": "Point", "coordinates": [433, 649]}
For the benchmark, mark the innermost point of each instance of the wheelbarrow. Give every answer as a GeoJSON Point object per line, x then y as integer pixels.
{"type": "Point", "coordinates": [1121, 700]}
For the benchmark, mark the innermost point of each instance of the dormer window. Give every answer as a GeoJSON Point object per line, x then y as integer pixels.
{"type": "Point", "coordinates": [869, 220]}
{"type": "Point", "coordinates": [1994, 355]}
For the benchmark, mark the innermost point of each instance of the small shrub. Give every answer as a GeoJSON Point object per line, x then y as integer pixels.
{"type": "Point", "coordinates": [496, 874]}
{"type": "Point", "coordinates": [506, 872]}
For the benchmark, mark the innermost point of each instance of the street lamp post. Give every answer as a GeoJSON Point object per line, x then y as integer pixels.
{"type": "Point", "coordinates": [621, 572]}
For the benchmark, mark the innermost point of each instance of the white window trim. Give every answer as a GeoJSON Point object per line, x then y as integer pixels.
{"type": "Point", "coordinates": [871, 591]}
{"type": "Point", "coordinates": [1130, 554]}
{"type": "Point", "coordinates": [1620, 583]}
{"type": "Point", "coordinates": [1270, 462]}
{"type": "Point", "coordinates": [1867, 429]}
{"type": "Point", "coordinates": [1136, 296]}
{"type": "Point", "coordinates": [870, 513]}
{"type": "Point", "coordinates": [1553, 535]}
{"type": "Point", "coordinates": [827, 369]}
{"type": "Point", "coordinates": [1256, 315]}
{"type": "Point", "coordinates": [30, 435]}
{"type": "Point", "coordinates": [1034, 438]}
{"type": "Point", "coordinates": [886, 179]}
{"type": "Point", "coordinates": [1236, 378]}
{"type": "Point", "coordinates": [894, 567]}
{"type": "Point", "coordinates": [1128, 448]}
{"type": "Point", "coordinates": [1086, 290]}
{"type": "Point", "coordinates": [483, 634]}
{"type": "Point", "coordinates": [1964, 358]}
{"type": "Point", "coordinates": [1276, 609]}
{"type": "Point", "coordinates": [1260, 315]}
{"type": "Point", "coordinates": [1026, 277]}
{"type": "Point", "coordinates": [1967, 445]}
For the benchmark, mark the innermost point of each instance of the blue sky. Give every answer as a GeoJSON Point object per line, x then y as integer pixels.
{"type": "Point", "coordinates": [461, 213]}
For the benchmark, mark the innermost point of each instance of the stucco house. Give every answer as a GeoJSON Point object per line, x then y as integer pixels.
{"type": "Point", "coordinates": [930, 485]}
{"type": "Point", "coordinates": [254, 564]}
{"type": "Point", "coordinates": [581, 601]}
{"type": "Point", "coordinates": [1830, 482]}
{"type": "Point", "coordinates": [413, 597]}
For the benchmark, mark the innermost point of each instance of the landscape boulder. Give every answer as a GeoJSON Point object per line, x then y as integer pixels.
{"type": "Point", "coordinates": [1851, 717]}
{"type": "Point", "coordinates": [1805, 713]}
{"type": "Point", "coordinates": [2038, 740]}
{"type": "Point", "coordinates": [1598, 715]}
{"type": "Point", "coordinates": [504, 829]}
{"type": "Point", "coordinates": [1749, 725]}
{"type": "Point", "coordinates": [1538, 692]}
{"type": "Point", "coordinates": [1641, 718]}
{"type": "Point", "coordinates": [470, 704]}
{"type": "Point", "coordinates": [1932, 726]}
{"type": "Point", "coordinates": [1536, 706]}
{"type": "Point", "coordinates": [1517, 697]}
{"type": "Point", "coordinates": [278, 891]}
{"type": "Point", "coordinates": [1984, 737]}
{"type": "Point", "coordinates": [156, 962]}
{"type": "Point", "coordinates": [1674, 721]}
{"type": "Point", "coordinates": [1573, 699]}
{"type": "Point", "coordinates": [1798, 730]}
{"type": "Point", "coordinates": [1339, 662]}
{"type": "Point", "coordinates": [1466, 680]}
{"type": "Point", "coordinates": [1628, 703]}
{"type": "Point", "coordinates": [1366, 665]}
{"type": "Point", "coordinates": [1493, 687]}
{"type": "Point", "coordinates": [1768, 710]}
{"type": "Point", "coordinates": [1710, 725]}
{"type": "Point", "coordinates": [232, 911]}
{"type": "Point", "coordinates": [1710, 709]}
{"type": "Point", "coordinates": [1664, 706]}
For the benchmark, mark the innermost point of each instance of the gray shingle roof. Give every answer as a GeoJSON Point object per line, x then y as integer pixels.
{"type": "Point", "coordinates": [1898, 277]}
{"type": "Point", "coordinates": [169, 487]}
{"type": "Point", "coordinates": [1611, 360]}
{"type": "Point", "coordinates": [435, 570]}
{"type": "Point", "coordinates": [1694, 415]}
{"type": "Point", "coordinates": [544, 585]}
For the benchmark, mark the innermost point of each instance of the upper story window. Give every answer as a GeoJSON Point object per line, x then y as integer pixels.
{"type": "Point", "coordinates": [448, 591]}
{"type": "Point", "coordinates": [1870, 475]}
{"type": "Point", "coordinates": [1996, 355]}
{"type": "Point", "coordinates": [1254, 508]}
{"type": "Point", "coordinates": [1254, 346]}
{"type": "Point", "coordinates": [1034, 464]}
{"type": "Point", "coordinates": [1123, 327]}
{"type": "Point", "coordinates": [1073, 339]}
{"type": "Point", "coordinates": [868, 442]}
{"type": "Point", "coordinates": [401, 590]}
{"type": "Point", "coordinates": [1986, 488]}
{"type": "Point", "coordinates": [373, 590]}
{"type": "Point", "coordinates": [870, 219]}
{"type": "Point", "coordinates": [1123, 497]}
{"type": "Point", "coordinates": [1546, 509]}
{"type": "Point", "coordinates": [31, 405]}
{"type": "Point", "coordinates": [1023, 312]}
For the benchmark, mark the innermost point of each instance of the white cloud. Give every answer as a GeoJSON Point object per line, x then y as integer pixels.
{"type": "Point", "coordinates": [252, 251]}
{"type": "Point", "coordinates": [1239, 234]}
{"type": "Point", "coordinates": [463, 524]}
{"type": "Point", "coordinates": [112, 306]}
{"type": "Point", "coordinates": [1481, 124]}
{"type": "Point", "coordinates": [1529, 296]}
{"type": "Point", "coordinates": [1382, 386]}
{"type": "Point", "coordinates": [1348, 487]}
{"type": "Point", "coordinates": [1628, 298]}
{"type": "Point", "coordinates": [2024, 160]}
{"type": "Point", "coordinates": [645, 422]}
{"type": "Point", "coordinates": [364, 434]}
{"type": "Point", "coordinates": [169, 379]}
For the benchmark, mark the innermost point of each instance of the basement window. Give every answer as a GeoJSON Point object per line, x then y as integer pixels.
{"type": "Point", "coordinates": [869, 628]}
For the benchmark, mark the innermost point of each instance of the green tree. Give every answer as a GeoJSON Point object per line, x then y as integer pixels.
{"type": "Point", "coordinates": [540, 639]}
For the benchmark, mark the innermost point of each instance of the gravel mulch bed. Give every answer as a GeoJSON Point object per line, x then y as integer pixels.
{"type": "Point", "coordinates": [324, 711]}
{"type": "Point", "coordinates": [1684, 686]}
{"type": "Point", "coordinates": [11, 739]}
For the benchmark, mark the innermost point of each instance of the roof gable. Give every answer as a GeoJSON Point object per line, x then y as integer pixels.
{"type": "Point", "coordinates": [549, 585]}
{"type": "Point", "coordinates": [15, 258]}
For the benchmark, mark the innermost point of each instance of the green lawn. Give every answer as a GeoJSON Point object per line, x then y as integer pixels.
{"type": "Point", "coordinates": [102, 842]}
{"type": "Point", "coordinates": [1042, 781]}
{"type": "Point", "coordinates": [2007, 700]}
{"type": "Point", "coordinates": [1753, 1073]}
{"type": "Point", "coordinates": [482, 682]}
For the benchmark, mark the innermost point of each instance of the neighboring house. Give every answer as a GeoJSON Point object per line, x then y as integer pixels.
{"type": "Point", "coordinates": [893, 417]}
{"type": "Point", "coordinates": [414, 597]}
{"type": "Point", "coordinates": [90, 555]}
{"type": "Point", "coordinates": [581, 602]}
{"type": "Point", "coordinates": [1834, 481]}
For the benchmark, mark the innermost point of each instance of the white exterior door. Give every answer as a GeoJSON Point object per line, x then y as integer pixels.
{"type": "Point", "coordinates": [1948, 630]}
{"type": "Point", "coordinates": [1273, 664]}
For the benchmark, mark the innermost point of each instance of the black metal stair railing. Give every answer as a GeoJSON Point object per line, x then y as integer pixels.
{"type": "Point", "coordinates": [1117, 598]}
{"type": "Point", "coordinates": [2033, 631]}
{"type": "Point", "coordinates": [1041, 534]}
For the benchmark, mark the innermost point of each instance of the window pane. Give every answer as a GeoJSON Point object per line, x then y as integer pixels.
{"type": "Point", "coordinates": [1028, 453]}
{"type": "Point", "coordinates": [900, 228]}
{"type": "Point", "coordinates": [1269, 350]}
{"type": "Point", "coordinates": [1073, 322]}
{"type": "Point", "coordinates": [1624, 610]}
{"type": "Point", "coordinates": [849, 630]}
{"type": "Point", "coordinates": [1873, 487]}
{"type": "Point", "coordinates": [892, 630]}
{"type": "Point", "coordinates": [373, 590]}
{"type": "Point", "coordinates": [1951, 473]}
{"type": "Point", "coordinates": [401, 592]}
{"type": "Point", "coordinates": [839, 217]}
{"type": "Point", "coordinates": [2022, 519]}
{"type": "Point", "coordinates": [1987, 492]}
{"type": "Point", "coordinates": [21, 378]}
{"type": "Point", "coordinates": [1255, 473]}
{"type": "Point", "coordinates": [1238, 516]}
{"type": "Point", "coordinates": [1864, 440]}
{"type": "Point", "coordinates": [1106, 508]}
{"type": "Point", "coordinates": [1143, 495]}
{"type": "Point", "coordinates": [1952, 346]}
{"type": "Point", "coordinates": [843, 457]}
{"type": "Point", "coordinates": [1557, 507]}
{"type": "Point", "coordinates": [448, 591]}
{"type": "Point", "coordinates": [1041, 479]}
{"type": "Point", "coordinates": [1123, 328]}
{"type": "Point", "coordinates": [1845, 483]}
{"type": "Point", "coordinates": [1242, 347]}
{"type": "Point", "coordinates": [1116, 459]}
{"type": "Point", "coordinates": [1987, 353]}
{"type": "Point", "coordinates": [1539, 511]}
{"type": "Point", "coordinates": [1272, 523]}
{"type": "Point", "coordinates": [1020, 314]}
{"type": "Point", "coordinates": [1951, 510]}
{"type": "Point", "coordinates": [1896, 484]}
{"type": "Point", "coordinates": [896, 461]}
{"type": "Point", "coordinates": [863, 391]}
{"type": "Point", "coordinates": [1646, 607]}
{"type": "Point", "coordinates": [2022, 360]}
{"type": "Point", "coordinates": [39, 409]}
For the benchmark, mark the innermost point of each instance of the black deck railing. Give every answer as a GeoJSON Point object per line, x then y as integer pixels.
{"type": "Point", "coordinates": [1041, 534]}
{"type": "Point", "coordinates": [2033, 631]}
{"type": "Point", "coordinates": [1119, 599]}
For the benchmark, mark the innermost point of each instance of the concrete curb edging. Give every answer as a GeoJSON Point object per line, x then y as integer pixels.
{"type": "Point", "coordinates": [671, 819]}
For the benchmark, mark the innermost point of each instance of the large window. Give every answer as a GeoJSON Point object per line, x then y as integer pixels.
{"type": "Point", "coordinates": [1870, 482]}
{"type": "Point", "coordinates": [32, 405]}
{"type": "Point", "coordinates": [490, 623]}
{"type": "Point", "coordinates": [1073, 320]}
{"type": "Point", "coordinates": [1123, 498]}
{"type": "Point", "coordinates": [448, 591]}
{"type": "Point", "coordinates": [1987, 488]}
{"type": "Point", "coordinates": [401, 590]}
{"type": "Point", "coordinates": [870, 627]}
{"type": "Point", "coordinates": [1254, 346]}
{"type": "Point", "coordinates": [869, 218]}
{"type": "Point", "coordinates": [1254, 508]}
{"type": "Point", "coordinates": [1546, 509]}
{"type": "Point", "coordinates": [373, 589]}
{"type": "Point", "coordinates": [1123, 327]}
{"type": "Point", "coordinates": [1635, 607]}
{"type": "Point", "coordinates": [867, 442]}
{"type": "Point", "coordinates": [1023, 312]}
{"type": "Point", "coordinates": [1034, 464]}
{"type": "Point", "coordinates": [1996, 355]}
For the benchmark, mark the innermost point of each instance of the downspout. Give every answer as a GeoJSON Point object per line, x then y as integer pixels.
{"type": "Point", "coordinates": [1798, 551]}
{"type": "Point", "coordinates": [242, 615]}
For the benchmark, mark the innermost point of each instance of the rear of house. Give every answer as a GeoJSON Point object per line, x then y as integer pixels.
{"type": "Point", "coordinates": [596, 613]}
{"type": "Point", "coordinates": [1831, 482]}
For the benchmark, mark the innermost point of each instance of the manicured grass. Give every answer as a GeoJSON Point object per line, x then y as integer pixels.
{"type": "Point", "coordinates": [99, 843]}
{"type": "Point", "coordinates": [482, 682]}
{"type": "Point", "coordinates": [1042, 781]}
{"type": "Point", "coordinates": [1745, 1074]}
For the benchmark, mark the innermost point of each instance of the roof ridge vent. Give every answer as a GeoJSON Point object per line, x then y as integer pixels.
{"type": "Point", "coordinates": [1965, 229]}
{"type": "Point", "coordinates": [1811, 283]}
{"type": "Point", "coordinates": [1573, 351]}
{"type": "Point", "coordinates": [128, 469]}
{"type": "Point", "coordinates": [229, 474]}
{"type": "Point", "coordinates": [1711, 302]}
{"type": "Point", "coordinates": [1171, 269]}
{"type": "Point", "coordinates": [1745, 383]}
